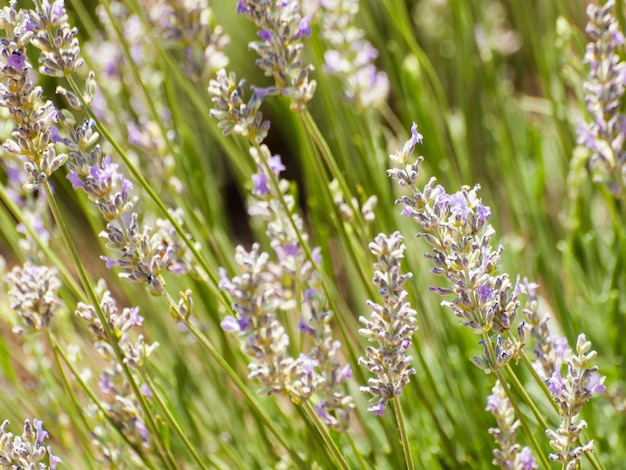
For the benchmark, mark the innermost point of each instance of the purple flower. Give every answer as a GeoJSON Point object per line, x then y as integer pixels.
{"type": "Point", "coordinates": [555, 383]}
{"type": "Point", "coordinates": [17, 61]}
{"type": "Point", "coordinates": [285, 250]}
{"type": "Point", "coordinates": [265, 35]}
{"type": "Point", "coordinates": [230, 324]}
{"type": "Point", "coordinates": [305, 27]}
{"type": "Point", "coordinates": [316, 254]}
{"type": "Point", "coordinates": [260, 185]}
{"type": "Point", "coordinates": [135, 137]}
{"type": "Point", "coordinates": [145, 390]}
{"type": "Point", "coordinates": [344, 374]}
{"type": "Point", "coordinates": [485, 291]}
{"type": "Point", "coordinates": [321, 411]}
{"type": "Point", "coordinates": [493, 403]}
{"type": "Point", "coordinates": [595, 383]}
{"type": "Point", "coordinates": [105, 383]}
{"type": "Point", "coordinates": [104, 175]}
{"type": "Point", "coordinates": [484, 213]}
{"type": "Point", "coordinates": [458, 206]}
{"type": "Point", "coordinates": [333, 62]}
{"type": "Point", "coordinates": [75, 180]}
{"type": "Point", "coordinates": [242, 8]}
{"type": "Point", "coordinates": [127, 186]}
{"type": "Point", "coordinates": [135, 318]}
{"type": "Point", "coordinates": [416, 138]}
{"type": "Point", "coordinates": [42, 434]}
{"type": "Point", "coordinates": [54, 133]}
{"type": "Point", "coordinates": [261, 93]}
{"type": "Point", "coordinates": [305, 328]}
{"type": "Point", "coordinates": [276, 165]}
{"type": "Point", "coordinates": [110, 262]}
{"type": "Point", "coordinates": [526, 459]}
{"type": "Point", "coordinates": [143, 431]}
{"type": "Point", "coordinates": [235, 325]}
{"type": "Point", "coordinates": [308, 364]}
{"type": "Point", "coordinates": [378, 409]}
{"type": "Point", "coordinates": [54, 460]}
{"type": "Point", "coordinates": [57, 11]}
{"type": "Point", "coordinates": [225, 282]}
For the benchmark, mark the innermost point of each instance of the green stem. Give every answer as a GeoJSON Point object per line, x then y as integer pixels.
{"type": "Point", "coordinates": [397, 408]}
{"type": "Point", "coordinates": [74, 401]}
{"type": "Point", "coordinates": [174, 423]}
{"type": "Point", "coordinates": [323, 431]}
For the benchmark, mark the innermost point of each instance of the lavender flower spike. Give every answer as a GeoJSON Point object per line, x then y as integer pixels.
{"type": "Point", "coordinates": [571, 393]}
{"type": "Point", "coordinates": [32, 138]}
{"type": "Point", "coordinates": [282, 27]}
{"type": "Point", "coordinates": [350, 56]}
{"type": "Point", "coordinates": [392, 324]}
{"type": "Point", "coordinates": [604, 135]}
{"type": "Point", "coordinates": [455, 226]}
{"type": "Point", "coordinates": [508, 455]}
{"type": "Point", "coordinates": [27, 450]}
{"type": "Point", "coordinates": [34, 295]}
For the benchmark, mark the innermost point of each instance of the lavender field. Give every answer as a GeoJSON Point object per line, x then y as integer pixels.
{"type": "Point", "coordinates": [312, 234]}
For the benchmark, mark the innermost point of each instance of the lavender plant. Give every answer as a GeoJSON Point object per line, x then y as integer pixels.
{"type": "Point", "coordinates": [392, 325]}
{"type": "Point", "coordinates": [454, 226]}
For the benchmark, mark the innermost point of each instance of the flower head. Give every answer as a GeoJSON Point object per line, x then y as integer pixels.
{"type": "Point", "coordinates": [392, 325]}
{"type": "Point", "coordinates": [34, 295]}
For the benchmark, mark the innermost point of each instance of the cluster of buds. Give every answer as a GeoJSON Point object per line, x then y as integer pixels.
{"type": "Point", "coordinates": [604, 87]}
{"type": "Point", "coordinates": [122, 405]}
{"type": "Point", "coordinates": [264, 288]}
{"type": "Point", "coordinates": [60, 51]}
{"type": "Point", "coordinates": [235, 115]}
{"type": "Point", "coordinates": [570, 393]}
{"type": "Point", "coordinates": [347, 209]}
{"type": "Point", "coordinates": [141, 254]}
{"type": "Point", "coordinates": [351, 55]}
{"type": "Point", "coordinates": [27, 450]}
{"type": "Point", "coordinates": [282, 28]}
{"type": "Point", "coordinates": [190, 26]}
{"type": "Point", "coordinates": [34, 296]}
{"type": "Point", "coordinates": [257, 295]}
{"type": "Point", "coordinates": [392, 325]}
{"type": "Point", "coordinates": [32, 138]}
{"type": "Point", "coordinates": [508, 454]}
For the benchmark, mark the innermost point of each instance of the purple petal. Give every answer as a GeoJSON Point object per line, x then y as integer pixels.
{"type": "Point", "coordinates": [260, 185]}
{"type": "Point", "coordinates": [230, 324]}
{"type": "Point", "coordinates": [75, 180]}
{"type": "Point", "coordinates": [276, 165]}
{"type": "Point", "coordinates": [42, 434]}
{"type": "Point", "coordinates": [17, 61]}
{"type": "Point", "coordinates": [145, 391]}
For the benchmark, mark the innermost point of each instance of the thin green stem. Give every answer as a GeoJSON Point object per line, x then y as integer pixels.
{"type": "Point", "coordinates": [397, 409]}
{"type": "Point", "coordinates": [78, 410]}
{"type": "Point", "coordinates": [175, 424]}
{"type": "Point", "coordinates": [328, 440]}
